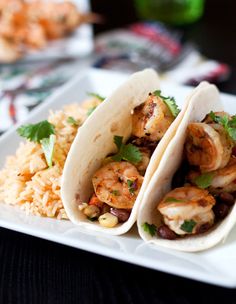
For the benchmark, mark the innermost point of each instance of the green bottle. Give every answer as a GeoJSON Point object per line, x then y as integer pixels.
{"type": "Point", "coordinates": [176, 12]}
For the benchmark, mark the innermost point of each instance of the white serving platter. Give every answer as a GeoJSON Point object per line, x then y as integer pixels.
{"type": "Point", "coordinates": [216, 266]}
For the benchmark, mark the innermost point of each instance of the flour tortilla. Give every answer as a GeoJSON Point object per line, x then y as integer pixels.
{"type": "Point", "coordinates": [205, 98]}
{"type": "Point", "coordinates": [94, 142]}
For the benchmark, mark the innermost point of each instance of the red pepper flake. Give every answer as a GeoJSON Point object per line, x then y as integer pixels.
{"type": "Point", "coordinates": [94, 200]}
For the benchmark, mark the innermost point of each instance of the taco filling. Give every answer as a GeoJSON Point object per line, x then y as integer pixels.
{"type": "Point", "coordinates": [116, 184]}
{"type": "Point", "coordinates": [204, 187]}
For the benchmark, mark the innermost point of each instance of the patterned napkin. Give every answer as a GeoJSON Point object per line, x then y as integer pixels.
{"type": "Point", "coordinates": [22, 87]}
{"type": "Point", "coordinates": [152, 44]}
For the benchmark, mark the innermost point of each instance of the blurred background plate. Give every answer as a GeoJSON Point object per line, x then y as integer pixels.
{"type": "Point", "coordinates": [78, 44]}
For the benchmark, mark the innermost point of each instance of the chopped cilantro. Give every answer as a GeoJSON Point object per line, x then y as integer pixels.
{"type": "Point", "coordinates": [90, 110]}
{"type": "Point", "coordinates": [36, 132]}
{"type": "Point", "coordinates": [48, 148]}
{"type": "Point", "coordinates": [232, 133]}
{"type": "Point", "coordinates": [172, 199]}
{"type": "Point", "coordinates": [43, 133]}
{"type": "Point", "coordinates": [149, 228]}
{"type": "Point", "coordinates": [169, 101]}
{"type": "Point", "coordinates": [72, 121]}
{"type": "Point", "coordinates": [127, 152]}
{"type": "Point", "coordinates": [115, 192]}
{"type": "Point", "coordinates": [188, 226]}
{"type": "Point", "coordinates": [131, 186]}
{"type": "Point", "coordinates": [204, 181]}
{"type": "Point", "coordinates": [233, 121]}
{"type": "Point", "coordinates": [101, 98]}
{"type": "Point", "coordinates": [229, 124]}
{"type": "Point", "coordinates": [214, 117]}
{"type": "Point", "coordinates": [118, 141]}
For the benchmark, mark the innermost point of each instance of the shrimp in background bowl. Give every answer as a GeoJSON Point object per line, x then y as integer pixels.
{"type": "Point", "coordinates": [30, 25]}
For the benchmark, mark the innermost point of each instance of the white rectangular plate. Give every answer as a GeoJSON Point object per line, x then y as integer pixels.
{"type": "Point", "coordinates": [216, 266]}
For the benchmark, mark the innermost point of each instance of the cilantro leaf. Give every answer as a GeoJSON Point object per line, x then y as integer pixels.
{"type": "Point", "coordinates": [214, 117]}
{"type": "Point", "coordinates": [149, 228]}
{"type": "Point", "coordinates": [43, 133]}
{"type": "Point", "coordinates": [170, 103]}
{"type": "Point", "coordinates": [204, 181]}
{"type": "Point", "coordinates": [115, 192]}
{"type": "Point", "coordinates": [48, 148]}
{"type": "Point", "coordinates": [172, 199]}
{"type": "Point", "coordinates": [188, 226]}
{"type": "Point", "coordinates": [36, 132]}
{"type": "Point", "coordinates": [72, 121]}
{"type": "Point", "coordinates": [101, 98]}
{"type": "Point", "coordinates": [229, 124]}
{"type": "Point", "coordinates": [232, 133]}
{"type": "Point", "coordinates": [233, 121]}
{"type": "Point", "coordinates": [117, 157]}
{"type": "Point", "coordinates": [90, 110]}
{"type": "Point", "coordinates": [224, 121]}
{"type": "Point", "coordinates": [127, 152]}
{"type": "Point", "coordinates": [118, 141]}
{"type": "Point", "coordinates": [131, 153]}
{"type": "Point", "coordinates": [131, 186]}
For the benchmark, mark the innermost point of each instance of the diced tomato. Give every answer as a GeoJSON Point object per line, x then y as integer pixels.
{"type": "Point", "coordinates": [94, 200]}
{"type": "Point", "coordinates": [234, 181]}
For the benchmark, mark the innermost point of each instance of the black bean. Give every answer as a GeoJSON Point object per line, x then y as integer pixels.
{"type": "Point", "coordinates": [179, 177]}
{"type": "Point", "coordinates": [203, 228]}
{"type": "Point", "coordinates": [226, 198]}
{"type": "Point", "coordinates": [105, 208]}
{"type": "Point", "coordinates": [221, 210]}
{"type": "Point", "coordinates": [122, 214]}
{"type": "Point", "coordinates": [166, 233]}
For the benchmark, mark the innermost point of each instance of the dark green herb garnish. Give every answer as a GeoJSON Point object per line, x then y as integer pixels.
{"type": "Point", "coordinates": [149, 228]}
{"type": "Point", "coordinates": [72, 121]}
{"type": "Point", "coordinates": [188, 226]}
{"type": "Point", "coordinates": [127, 152]}
{"type": "Point", "coordinates": [36, 132]}
{"type": "Point", "coordinates": [204, 181]}
{"type": "Point", "coordinates": [229, 124]}
{"type": "Point", "coordinates": [96, 96]}
{"type": "Point", "coordinates": [172, 199]}
{"type": "Point", "coordinates": [131, 186]}
{"type": "Point", "coordinates": [115, 192]}
{"type": "Point", "coordinates": [99, 97]}
{"type": "Point", "coordinates": [169, 101]}
{"type": "Point", "coordinates": [90, 110]}
{"type": "Point", "coordinates": [43, 133]}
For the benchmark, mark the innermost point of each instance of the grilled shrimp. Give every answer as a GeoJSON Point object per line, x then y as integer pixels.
{"type": "Point", "coordinates": [117, 184]}
{"type": "Point", "coordinates": [151, 119]}
{"type": "Point", "coordinates": [207, 146]}
{"type": "Point", "coordinates": [187, 205]}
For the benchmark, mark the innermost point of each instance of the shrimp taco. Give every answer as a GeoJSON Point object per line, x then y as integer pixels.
{"type": "Point", "coordinates": [123, 143]}
{"type": "Point", "coordinates": [189, 204]}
